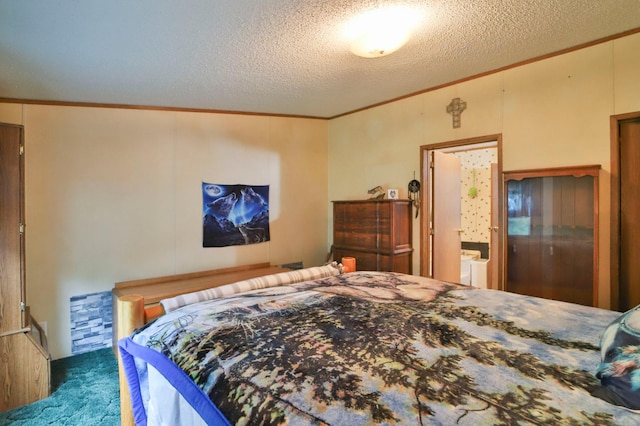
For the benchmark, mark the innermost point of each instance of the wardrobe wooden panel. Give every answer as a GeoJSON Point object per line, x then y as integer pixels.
{"type": "Point", "coordinates": [24, 361]}
{"type": "Point", "coordinates": [11, 239]}
{"type": "Point", "coordinates": [25, 371]}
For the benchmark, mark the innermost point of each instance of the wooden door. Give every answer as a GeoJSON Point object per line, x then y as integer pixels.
{"type": "Point", "coordinates": [629, 278]}
{"type": "Point", "coordinates": [11, 237]}
{"type": "Point", "coordinates": [445, 193]}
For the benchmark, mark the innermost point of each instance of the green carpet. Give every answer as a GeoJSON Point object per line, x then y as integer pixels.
{"type": "Point", "coordinates": [84, 391]}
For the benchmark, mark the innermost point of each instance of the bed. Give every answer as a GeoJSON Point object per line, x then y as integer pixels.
{"type": "Point", "coordinates": [378, 348]}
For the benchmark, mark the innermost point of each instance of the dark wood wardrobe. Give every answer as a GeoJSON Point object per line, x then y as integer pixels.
{"type": "Point", "coordinates": [552, 233]}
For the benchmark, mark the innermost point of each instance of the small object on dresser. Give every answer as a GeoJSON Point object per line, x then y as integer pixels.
{"type": "Point", "coordinates": [348, 264]}
{"type": "Point", "coordinates": [376, 193]}
{"type": "Point", "coordinates": [392, 194]}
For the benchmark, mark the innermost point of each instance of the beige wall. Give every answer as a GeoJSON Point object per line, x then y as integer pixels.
{"type": "Point", "coordinates": [551, 113]}
{"type": "Point", "coordinates": [115, 194]}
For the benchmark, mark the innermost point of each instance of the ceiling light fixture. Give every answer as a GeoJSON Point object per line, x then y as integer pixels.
{"type": "Point", "coordinates": [381, 31]}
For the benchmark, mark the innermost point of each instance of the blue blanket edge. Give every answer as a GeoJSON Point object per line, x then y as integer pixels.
{"type": "Point", "coordinates": [129, 351]}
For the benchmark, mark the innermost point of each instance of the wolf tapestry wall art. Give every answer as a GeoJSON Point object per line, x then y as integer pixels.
{"type": "Point", "coordinates": [234, 215]}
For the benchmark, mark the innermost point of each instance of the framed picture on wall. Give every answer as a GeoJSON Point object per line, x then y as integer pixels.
{"type": "Point", "coordinates": [392, 194]}
{"type": "Point", "coordinates": [234, 214]}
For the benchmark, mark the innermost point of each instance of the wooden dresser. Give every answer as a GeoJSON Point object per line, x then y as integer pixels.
{"type": "Point", "coordinates": [378, 233]}
{"type": "Point", "coordinates": [24, 360]}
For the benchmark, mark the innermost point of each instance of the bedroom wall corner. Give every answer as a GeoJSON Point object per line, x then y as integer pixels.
{"type": "Point", "coordinates": [303, 148]}
{"type": "Point", "coordinates": [626, 64]}
{"type": "Point", "coordinates": [114, 194]}
{"type": "Point", "coordinates": [375, 147]}
{"type": "Point", "coordinates": [11, 113]}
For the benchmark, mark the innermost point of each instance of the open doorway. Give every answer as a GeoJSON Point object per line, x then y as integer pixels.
{"type": "Point", "coordinates": [460, 224]}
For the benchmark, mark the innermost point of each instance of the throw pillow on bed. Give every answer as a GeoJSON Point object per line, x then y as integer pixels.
{"type": "Point", "coordinates": [619, 368]}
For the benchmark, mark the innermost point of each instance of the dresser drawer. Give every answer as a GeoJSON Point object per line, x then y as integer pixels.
{"type": "Point", "coordinates": [370, 261]}
{"type": "Point", "coordinates": [355, 225]}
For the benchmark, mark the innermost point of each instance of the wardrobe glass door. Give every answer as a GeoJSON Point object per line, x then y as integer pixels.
{"type": "Point", "coordinates": [551, 249]}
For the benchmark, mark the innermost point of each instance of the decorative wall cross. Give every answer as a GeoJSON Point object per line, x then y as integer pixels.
{"type": "Point", "coordinates": [455, 108]}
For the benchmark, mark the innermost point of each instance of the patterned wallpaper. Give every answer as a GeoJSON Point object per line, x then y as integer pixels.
{"type": "Point", "coordinates": [476, 210]}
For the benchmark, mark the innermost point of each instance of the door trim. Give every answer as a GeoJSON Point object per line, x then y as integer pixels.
{"type": "Point", "coordinates": [425, 252]}
{"type": "Point", "coordinates": [614, 125]}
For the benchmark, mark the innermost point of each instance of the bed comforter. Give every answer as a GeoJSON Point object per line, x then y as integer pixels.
{"type": "Point", "coordinates": [377, 348]}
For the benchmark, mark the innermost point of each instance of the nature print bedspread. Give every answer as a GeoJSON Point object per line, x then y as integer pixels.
{"type": "Point", "coordinates": [386, 348]}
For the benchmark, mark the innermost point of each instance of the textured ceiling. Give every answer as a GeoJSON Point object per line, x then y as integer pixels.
{"type": "Point", "coordinates": [273, 56]}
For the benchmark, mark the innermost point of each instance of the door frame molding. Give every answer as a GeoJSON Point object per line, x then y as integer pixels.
{"type": "Point", "coordinates": [425, 196]}
{"type": "Point", "coordinates": [614, 126]}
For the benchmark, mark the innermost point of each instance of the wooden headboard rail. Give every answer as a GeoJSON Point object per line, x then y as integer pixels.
{"type": "Point", "coordinates": [137, 302]}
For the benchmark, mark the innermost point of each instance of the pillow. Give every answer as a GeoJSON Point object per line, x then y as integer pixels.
{"type": "Point", "coordinates": [266, 281]}
{"type": "Point", "coordinates": [619, 369]}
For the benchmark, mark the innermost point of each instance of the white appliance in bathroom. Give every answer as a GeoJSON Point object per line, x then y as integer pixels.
{"type": "Point", "coordinates": [473, 269]}
{"type": "Point", "coordinates": [466, 256]}
{"type": "Point", "coordinates": [479, 272]}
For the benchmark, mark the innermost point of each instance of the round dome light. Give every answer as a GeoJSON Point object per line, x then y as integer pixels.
{"type": "Point", "coordinates": [381, 31]}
